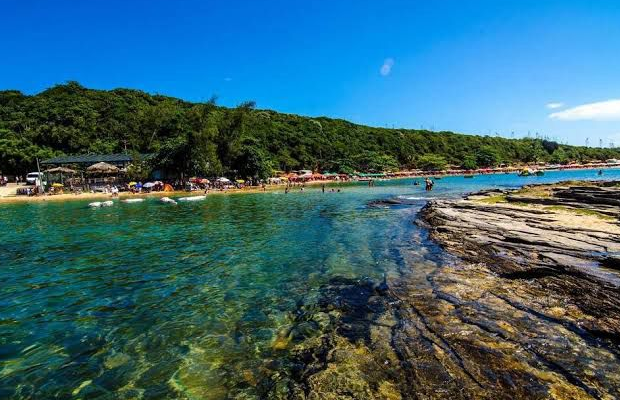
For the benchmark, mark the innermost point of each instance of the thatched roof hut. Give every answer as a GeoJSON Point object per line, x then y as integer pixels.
{"type": "Point", "coordinates": [102, 168]}
{"type": "Point", "coordinates": [61, 170]}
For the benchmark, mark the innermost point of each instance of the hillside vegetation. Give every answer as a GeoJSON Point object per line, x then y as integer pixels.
{"type": "Point", "coordinates": [206, 139]}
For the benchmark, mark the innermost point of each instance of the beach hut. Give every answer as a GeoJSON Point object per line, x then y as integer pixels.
{"type": "Point", "coordinates": [61, 172]}
{"type": "Point", "coordinates": [102, 174]}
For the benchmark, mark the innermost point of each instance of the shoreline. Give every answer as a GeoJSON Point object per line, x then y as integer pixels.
{"type": "Point", "coordinates": [127, 195]}
{"type": "Point", "coordinates": [13, 198]}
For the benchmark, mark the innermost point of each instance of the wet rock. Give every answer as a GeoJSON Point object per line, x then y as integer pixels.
{"type": "Point", "coordinates": [281, 342]}
{"type": "Point", "coordinates": [322, 319]}
{"type": "Point", "coordinates": [611, 261]}
{"type": "Point", "coordinates": [304, 330]}
{"type": "Point", "coordinates": [525, 311]}
{"type": "Point", "coordinates": [385, 203]}
{"type": "Point", "coordinates": [383, 287]}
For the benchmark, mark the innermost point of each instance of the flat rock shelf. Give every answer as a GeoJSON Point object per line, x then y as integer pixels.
{"type": "Point", "coordinates": [531, 302]}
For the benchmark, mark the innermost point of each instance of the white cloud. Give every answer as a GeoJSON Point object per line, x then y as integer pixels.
{"type": "Point", "coordinates": [386, 68]}
{"type": "Point", "coordinates": [553, 106]}
{"type": "Point", "coordinates": [601, 111]}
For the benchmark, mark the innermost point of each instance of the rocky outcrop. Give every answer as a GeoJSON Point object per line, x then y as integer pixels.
{"type": "Point", "coordinates": [537, 271]}
{"type": "Point", "coordinates": [573, 240]}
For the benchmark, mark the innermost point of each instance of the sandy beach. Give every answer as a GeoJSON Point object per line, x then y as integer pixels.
{"type": "Point", "coordinates": [7, 194]}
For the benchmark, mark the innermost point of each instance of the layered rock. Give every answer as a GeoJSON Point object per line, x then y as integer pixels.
{"type": "Point", "coordinates": [536, 272]}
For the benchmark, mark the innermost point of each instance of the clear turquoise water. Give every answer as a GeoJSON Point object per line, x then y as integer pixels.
{"type": "Point", "coordinates": [149, 300]}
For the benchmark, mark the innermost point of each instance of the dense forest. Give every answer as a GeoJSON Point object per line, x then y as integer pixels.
{"type": "Point", "coordinates": [207, 140]}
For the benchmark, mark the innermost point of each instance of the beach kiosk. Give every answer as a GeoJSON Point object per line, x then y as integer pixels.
{"type": "Point", "coordinates": [56, 177]}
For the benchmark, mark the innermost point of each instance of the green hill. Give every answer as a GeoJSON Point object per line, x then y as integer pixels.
{"type": "Point", "coordinates": [206, 139]}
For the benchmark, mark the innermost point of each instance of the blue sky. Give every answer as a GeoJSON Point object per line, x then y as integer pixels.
{"type": "Point", "coordinates": [470, 66]}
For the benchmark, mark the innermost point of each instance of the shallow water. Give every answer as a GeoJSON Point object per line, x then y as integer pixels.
{"type": "Point", "coordinates": [154, 300]}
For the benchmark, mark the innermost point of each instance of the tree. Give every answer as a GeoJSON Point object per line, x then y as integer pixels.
{"type": "Point", "coordinates": [550, 146]}
{"type": "Point", "coordinates": [559, 156]}
{"type": "Point", "coordinates": [534, 151]}
{"type": "Point", "coordinates": [469, 162]}
{"type": "Point", "coordinates": [432, 162]}
{"type": "Point", "coordinates": [374, 161]}
{"type": "Point", "coordinates": [487, 157]}
{"type": "Point", "coordinates": [384, 163]}
{"type": "Point", "coordinates": [201, 141]}
{"type": "Point", "coordinates": [251, 161]}
{"type": "Point", "coordinates": [139, 169]}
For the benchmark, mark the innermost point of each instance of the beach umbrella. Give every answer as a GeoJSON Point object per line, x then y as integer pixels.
{"type": "Point", "coordinates": [132, 183]}
{"type": "Point", "coordinates": [148, 185]}
{"type": "Point", "coordinates": [102, 168]}
{"type": "Point", "coordinates": [240, 181]}
{"type": "Point", "coordinates": [57, 185]}
{"type": "Point", "coordinates": [223, 180]}
{"type": "Point", "coordinates": [60, 170]}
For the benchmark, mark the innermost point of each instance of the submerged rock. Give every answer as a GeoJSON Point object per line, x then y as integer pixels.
{"type": "Point", "coordinates": [385, 203]}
